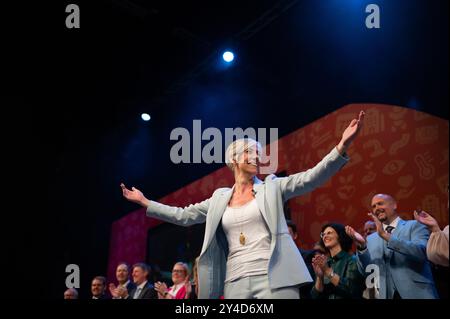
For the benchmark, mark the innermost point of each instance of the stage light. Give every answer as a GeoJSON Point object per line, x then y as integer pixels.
{"type": "Point", "coordinates": [228, 56]}
{"type": "Point", "coordinates": [146, 117]}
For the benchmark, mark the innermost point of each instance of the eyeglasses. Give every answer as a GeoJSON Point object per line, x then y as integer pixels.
{"type": "Point", "coordinates": [322, 234]}
{"type": "Point", "coordinates": [179, 271]}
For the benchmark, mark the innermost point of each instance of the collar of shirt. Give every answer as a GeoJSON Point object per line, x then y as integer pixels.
{"type": "Point", "coordinates": [142, 285]}
{"type": "Point", "coordinates": [393, 224]}
{"type": "Point", "coordinates": [125, 284]}
{"type": "Point", "coordinates": [342, 254]}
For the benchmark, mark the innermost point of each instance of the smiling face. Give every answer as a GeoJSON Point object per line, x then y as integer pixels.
{"type": "Point", "coordinates": [139, 275]}
{"type": "Point", "coordinates": [243, 157]}
{"type": "Point", "coordinates": [384, 208]}
{"type": "Point", "coordinates": [248, 162]}
{"type": "Point", "coordinates": [97, 287]}
{"type": "Point", "coordinates": [122, 273]}
{"type": "Point", "coordinates": [179, 274]}
{"type": "Point", "coordinates": [330, 237]}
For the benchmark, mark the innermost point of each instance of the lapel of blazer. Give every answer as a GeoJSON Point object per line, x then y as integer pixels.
{"type": "Point", "coordinates": [143, 291]}
{"type": "Point", "coordinates": [258, 188]}
{"type": "Point", "coordinates": [399, 227]}
{"type": "Point", "coordinates": [220, 206]}
{"type": "Point", "coordinates": [379, 245]}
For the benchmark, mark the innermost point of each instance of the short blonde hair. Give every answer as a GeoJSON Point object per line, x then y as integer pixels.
{"type": "Point", "coordinates": [236, 149]}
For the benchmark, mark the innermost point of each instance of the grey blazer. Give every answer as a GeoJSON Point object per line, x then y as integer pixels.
{"type": "Point", "coordinates": [286, 266]}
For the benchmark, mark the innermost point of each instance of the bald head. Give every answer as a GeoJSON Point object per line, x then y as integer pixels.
{"type": "Point", "coordinates": [71, 293]}
{"type": "Point", "coordinates": [385, 197]}
{"type": "Point", "coordinates": [384, 207]}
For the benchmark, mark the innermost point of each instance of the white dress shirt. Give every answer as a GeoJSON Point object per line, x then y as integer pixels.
{"type": "Point", "coordinates": [394, 224]}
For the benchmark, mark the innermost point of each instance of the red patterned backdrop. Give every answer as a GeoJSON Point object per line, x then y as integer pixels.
{"type": "Point", "coordinates": [400, 151]}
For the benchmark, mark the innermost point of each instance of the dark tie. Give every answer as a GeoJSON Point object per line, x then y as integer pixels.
{"type": "Point", "coordinates": [389, 229]}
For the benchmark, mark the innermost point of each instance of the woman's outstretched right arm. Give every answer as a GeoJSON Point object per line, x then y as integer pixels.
{"type": "Point", "coordinates": [190, 215]}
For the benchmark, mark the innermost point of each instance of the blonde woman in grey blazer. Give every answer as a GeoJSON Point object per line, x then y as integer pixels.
{"type": "Point", "coordinates": [247, 250]}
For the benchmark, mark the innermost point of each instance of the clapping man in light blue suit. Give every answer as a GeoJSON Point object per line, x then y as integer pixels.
{"type": "Point", "coordinates": [398, 250]}
{"type": "Point", "coordinates": [247, 249]}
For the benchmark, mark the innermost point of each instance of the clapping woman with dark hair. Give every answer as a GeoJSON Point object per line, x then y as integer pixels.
{"type": "Point", "coordinates": [337, 276]}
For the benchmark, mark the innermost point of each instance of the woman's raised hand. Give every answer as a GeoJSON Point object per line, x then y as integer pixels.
{"type": "Point", "coordinates": [134, 195]}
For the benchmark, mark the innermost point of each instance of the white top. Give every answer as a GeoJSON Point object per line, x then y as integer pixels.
{"type": "Point", "coordinates": [173, 292]}
{"type": "Point", "coordinates": [252, 258]}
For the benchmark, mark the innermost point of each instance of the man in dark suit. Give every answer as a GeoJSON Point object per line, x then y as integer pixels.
{"type": "Point", "coordinates": [398, 251]}
{"type": "Point", "coordinates": [98, 288]}
{"type": "Point", "coordinates": [143, 289]}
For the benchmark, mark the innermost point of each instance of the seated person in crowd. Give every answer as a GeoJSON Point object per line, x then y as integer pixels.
{"type": "Point", "coordinates": [337, 276]}
{"type": "Point", "coordinates": [98, 288]}
{"type": "Point", "coordinates": [369, 228]}
{"type": "Point", "coordinates": [180, 280]}
{"type": "Point", "coordinates": [143, 289]}
{"type": "Point", "coordinates": [123, 279]}
{"type": "Point", "coordinates": [71, 293]}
